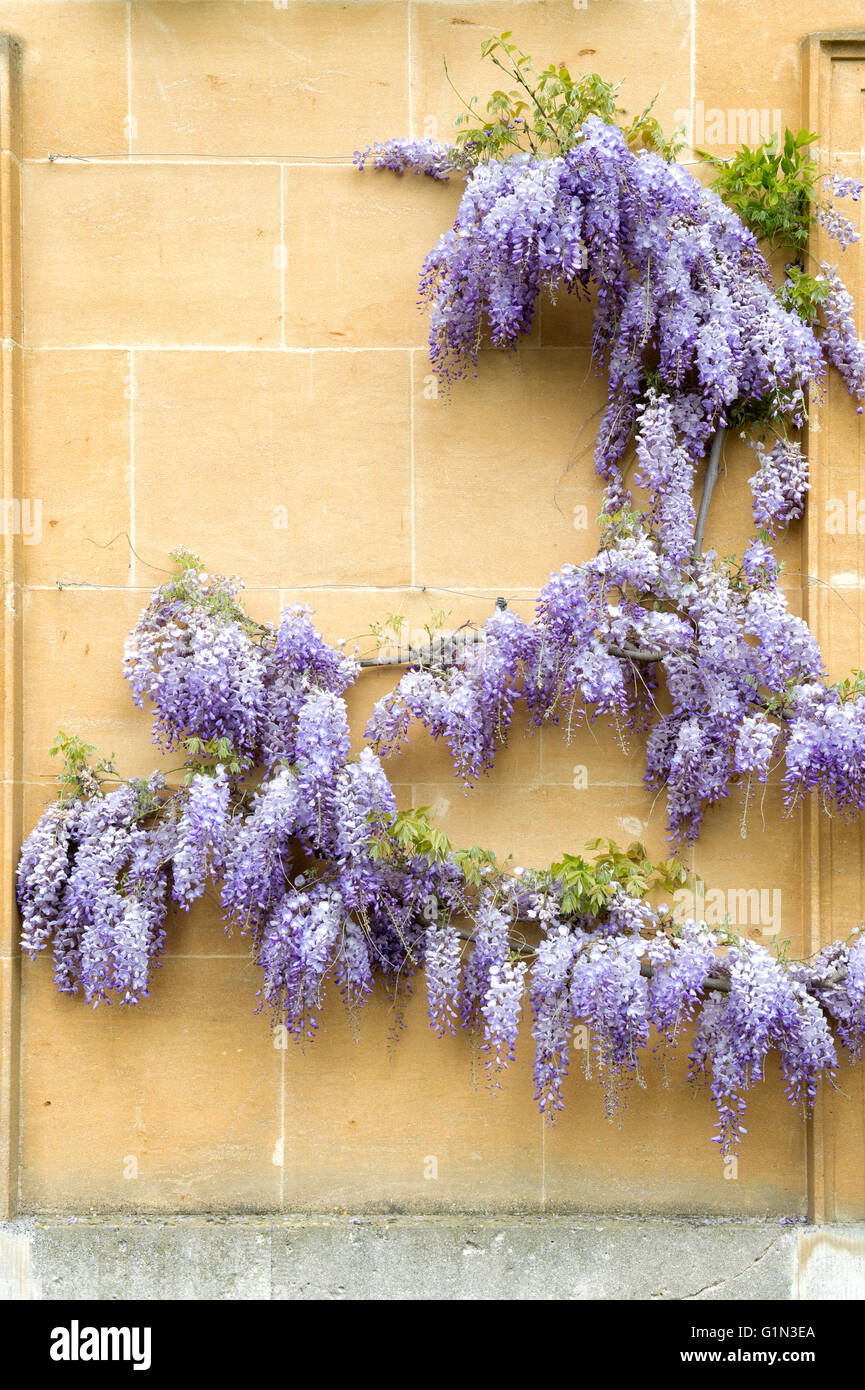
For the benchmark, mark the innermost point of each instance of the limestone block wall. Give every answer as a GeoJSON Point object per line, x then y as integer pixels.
{"type": "Point", "coordinates": [210, 339]}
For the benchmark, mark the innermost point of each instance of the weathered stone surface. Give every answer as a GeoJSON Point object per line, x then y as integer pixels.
{"type": "Point", "coordinates": [441, 1258]}
{"type": "Point", "coordinates": [831, 1263]}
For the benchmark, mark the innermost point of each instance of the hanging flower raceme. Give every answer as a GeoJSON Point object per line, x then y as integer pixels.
{"type": "Point", "coordinates": [677, 278]}
{"type": "Point", "coordinates": [825, 752]}
{"type": "Point", "coordinates": [363, 807]}
{"type": "Point", "coordinates": [681, 966]}
{"type": "Point", "coordinates": [666, 468]}
{"type": "Point", "coordinates": [552, 1008]}
{"type": "Point", "coordinates": [492, 989]}
{"type": "Point", "coordinates": [214, 674]}
{"type": "Point", "coordinates": [442, 956]}
{"type": "Point", "coordinates": [259, 855]}
{"type": "Point", "coordinates": [840, 342]}
{"type": "Point", "coordinates": [755, 746]}
{"type": "Point", "coordinates": [296, 950]}
{"type": "Point", "coordinates": [43, 873]}
{"type": "Point", "coordinates": [470, 704]}
{"type": "Point", "coordinates": [610, 995]}
{"type": "Point", "coordinates": [835, 978]}
{"type": "Point", "coordinates": [763, 1009]}
{"type": "Point", "coordinates": [94, 877]}
{"type": "Point", "coordinates": [834, 223]}
{"type": "Point", "coordinates": [201, 836]}
{"type": "Point", "coordinates": [192, 655]}
{"type": "Point", "coordinates": [780, 484]}
{"type": "Point", "coordinates": [297, 664]}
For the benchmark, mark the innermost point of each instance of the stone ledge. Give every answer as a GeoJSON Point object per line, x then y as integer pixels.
{"type": "Point", "coordinates": [426, 1257]}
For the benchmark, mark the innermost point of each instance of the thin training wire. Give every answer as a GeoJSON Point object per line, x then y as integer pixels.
{"type": "Point", "coordinates": [124, 156]}
{"type": "Point", "coordinates": [337, 160]}
{"type": "Point", "coordinates": [273, 588]}
{"type": "Point", "coordinates": [289, 588]}
{"type": "Point", "coordinates": [367, 588]}
{"type": "Point", "coordinates": [168, 154]}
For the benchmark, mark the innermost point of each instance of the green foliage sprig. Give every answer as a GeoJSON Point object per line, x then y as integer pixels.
{"type": "Point", "coordinates": [772, 187]}
{"type": "Point", "coordinates": [82, 774]}
{"type": "Point", "coordinates": [543, 112]}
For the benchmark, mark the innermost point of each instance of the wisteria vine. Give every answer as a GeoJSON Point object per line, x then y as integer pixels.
{"type": "Point", "coordinates": [303, 842]}
{"type": "Point", "coordinates": [332, 884]}
{"type": "Point", "coordinates": [695, 340]}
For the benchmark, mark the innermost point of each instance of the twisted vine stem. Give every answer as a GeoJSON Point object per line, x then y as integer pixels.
{"type": "Point", "coordinates": [709, 482]}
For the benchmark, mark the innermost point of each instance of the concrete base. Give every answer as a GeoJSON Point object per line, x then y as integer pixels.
{"type": "Point", "coordinates": [426, 1257]}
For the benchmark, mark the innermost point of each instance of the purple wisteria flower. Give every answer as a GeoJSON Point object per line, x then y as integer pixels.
{"type": "Point", "coordinates": [94, 877]}
{"type": "Point", "coordinates": [429, 157]}
{"type": "Point", "coordinates": [190, 654]}
{"type": "Point", "coordinates": [297, 950]}
{"type": "Point", "coordinates": [470, 705]}
{"type": "Point", "coordinates": [43, 873]}
{"type": "Point", "coordinates": [764, 1009]}
{"type": "Point", "coordinates": [201, 835]}
{"type": "Point", "coordinates": [780, 484]}
{"type": "Point", "coordinates": [552, 1009]}
{"type": "Point", "coordinates": [839, 340]}
{"type": "Point", "coordinates": [442, 966]}
{"type": "Point", "coordinates": [492, 986]}
{"type": "Point", "coordinates": [609, 992]}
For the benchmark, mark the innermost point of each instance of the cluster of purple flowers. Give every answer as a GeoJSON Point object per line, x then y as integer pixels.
{"type": "Point", "coordinates": [637, 971]}
{"type": "Point", "coordinates": [601, 632]}
{"type": "Point", "coordinates": [824, 752]}
{"type": "Point", "coordinates": [687, 322]}
{"type": "Point", "coordinates": [839, 227]}
{"type": "Point", "coordinates": [312, 864]}
{"type": "Point", "coordinates": [429, 157]}
{"type": "Point", "coordinates": [780, 484]}
{"type": "Point", "coordinates": [201, 835]}
{"type": "Point", "coordinates": [191, 657]}
{"type": "Point", "coordinates": [93, 880]}
{"type": "Point", "coordinates": [844, 186]}
{"type": "Point", "coordinates": [840, 342]}
{"type": "Point", "coordinates": [492, 985]}
{"type": "Point", "coordinates": [666, 455]}
{"type": "Point", "coordinates": [313, 870]}
{"type": "Point", "coordinates": [212, 673]}
{"type": "Point", "coordinates": [682, 293]}
{"type": "Point", "coordinates": [764, 1009]}
{"type": "Point", "coordinates": [468, 702]}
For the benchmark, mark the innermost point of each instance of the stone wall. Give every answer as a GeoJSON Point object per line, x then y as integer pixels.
{"type": "Point", "coordinates": [210, 339]}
